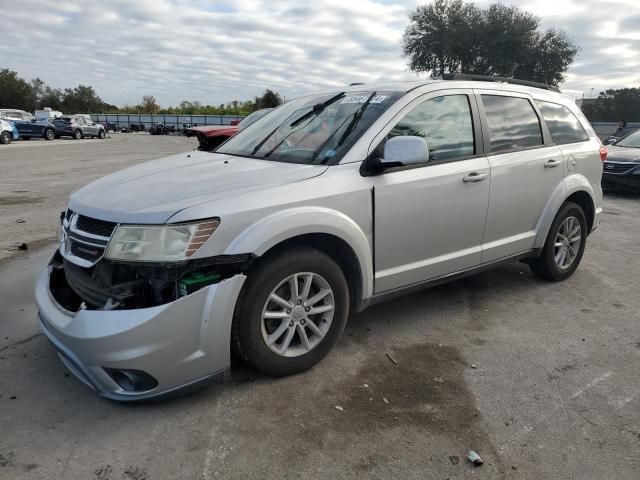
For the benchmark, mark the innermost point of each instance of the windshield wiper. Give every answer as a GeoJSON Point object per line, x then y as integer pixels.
{"type": "Point", "coordinates": [356, 118]}
{"type": "Point", "coordinates": [317, 109]}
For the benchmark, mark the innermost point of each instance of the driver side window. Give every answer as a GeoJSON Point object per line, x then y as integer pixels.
{"type": "Point", "coordinates": [445, 123]}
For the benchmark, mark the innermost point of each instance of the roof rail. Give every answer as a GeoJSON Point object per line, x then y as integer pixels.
{"type": "Point", "coordinates": [488, 78]}
{"type": "Point", "coordinates": [356, 83]}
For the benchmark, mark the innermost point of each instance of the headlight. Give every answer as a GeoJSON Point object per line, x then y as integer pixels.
{"type": "Point", "coordinates": [162, 243]}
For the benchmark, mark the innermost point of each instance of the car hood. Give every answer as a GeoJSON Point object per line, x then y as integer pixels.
{"type": "Point", "coordinates": [623, 154]}
{"type": "Point", "coordinates": [152, 192]}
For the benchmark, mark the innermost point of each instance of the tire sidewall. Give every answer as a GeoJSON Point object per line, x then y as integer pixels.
{"type": "Point", "coordinates": [5, 138]}
{"type": "Point", "coordinates": [568, 209]}
{"type": "Point", "coordinates": [260, 285]}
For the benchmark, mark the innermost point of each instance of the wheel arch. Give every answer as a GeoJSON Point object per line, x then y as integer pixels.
{"type": "Point", "coordinates": [325, 229]}
{"type": "Point", "coordinates": [575, 188]}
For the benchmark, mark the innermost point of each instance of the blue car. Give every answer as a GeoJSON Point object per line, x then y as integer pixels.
{"type": "Point", "coordinates": [27, 125]}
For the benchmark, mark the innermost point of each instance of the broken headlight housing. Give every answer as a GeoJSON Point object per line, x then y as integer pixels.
{"type": "Point", "coordinates": [159, 243]}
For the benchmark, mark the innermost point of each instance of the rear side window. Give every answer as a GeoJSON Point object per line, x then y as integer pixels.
{"type": "Point", "coordinates": [445, 123]}
{"type": "Point", "coordinates": [513, 123]}
{"type": "Point", "coordinates": [563, 124]}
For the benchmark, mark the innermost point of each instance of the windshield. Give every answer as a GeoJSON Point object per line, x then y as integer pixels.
{"type": "Point", "coordinates": [632, 140]}
{"type": "Point", "coordinates": [253, 117]}
{"type": "Point", "coordinates": [314, 129]}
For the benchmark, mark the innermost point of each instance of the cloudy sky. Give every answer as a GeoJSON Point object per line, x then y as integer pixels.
{"type": "Point", "coordinates": [213, 51]}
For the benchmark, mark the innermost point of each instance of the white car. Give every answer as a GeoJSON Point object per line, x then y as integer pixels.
{"type": "Point", "coordinates": [8, 132]}
{"type": "Point", "coordinates": [328, 204]}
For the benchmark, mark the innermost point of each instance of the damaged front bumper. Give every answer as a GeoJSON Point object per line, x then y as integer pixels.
{"type": "Point", "coordinates": [134, 354]}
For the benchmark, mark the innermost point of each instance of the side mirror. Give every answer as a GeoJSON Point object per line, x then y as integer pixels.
{"type": "Point", "coordinates": [405, 150]}
{"type": "Point", "coordinates": [610, 140]}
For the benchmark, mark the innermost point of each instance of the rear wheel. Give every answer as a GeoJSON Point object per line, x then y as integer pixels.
{"type": "Point", "coordinates": [5, 138]}
{"type": "Point", "coordinates": [564, 246]}
{"type": "Point", "coordinates": [77, 134]}
{"type": "Point", "coordinates": [292, 311]}
{"type": "Point", "coordinates": [49, 134]}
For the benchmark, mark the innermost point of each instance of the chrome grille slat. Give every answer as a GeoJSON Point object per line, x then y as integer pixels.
{"type": "Point", "coordinates": [86, 238]}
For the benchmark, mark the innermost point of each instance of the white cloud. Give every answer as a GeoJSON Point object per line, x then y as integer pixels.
{"type": "Point", "coordinates": [214, 51]}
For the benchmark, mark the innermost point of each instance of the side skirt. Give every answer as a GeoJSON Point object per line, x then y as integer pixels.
{"type": "Point", "coordinates": [414, 287]}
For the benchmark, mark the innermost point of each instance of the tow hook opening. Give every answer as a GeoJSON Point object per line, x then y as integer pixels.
{"type": "Point", "coordinates": [132, 380]}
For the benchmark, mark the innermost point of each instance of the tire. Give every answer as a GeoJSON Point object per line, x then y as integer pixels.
{"type": "Point", "coordinates": [6, 138]}
{"type": "Point", "coordinates": [101, 135]}
{"type": "Point", "coordinates": [548, 265]}
{"type": "Point", "coordinates": [77, 134]}
{"type": "Point", "coordinates": [250, 331]}
{"type": "Point", "coordinates": [49, 134]}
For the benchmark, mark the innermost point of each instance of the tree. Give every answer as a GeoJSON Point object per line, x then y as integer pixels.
{"type": "Point", "coordinates": [453, 36]}
{"type": "Point", "coordinates": [15, 92]}
{"type": "Point", "coordinates": [149, 104]}
{"type": "Point", "coordinates": [614, 105]}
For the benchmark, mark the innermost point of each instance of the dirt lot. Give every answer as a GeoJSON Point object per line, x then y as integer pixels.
{"type": "Point", "coordinates": [540, 379]}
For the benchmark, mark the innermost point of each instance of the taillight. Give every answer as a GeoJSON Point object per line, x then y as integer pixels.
{"type": "Point", "coordinates": [603, 153]}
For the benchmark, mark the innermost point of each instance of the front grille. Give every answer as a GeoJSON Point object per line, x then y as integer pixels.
{"type": "Point", "coordinates": [612, 167]}
{"type": "Point", "coordinates": [94, 226]}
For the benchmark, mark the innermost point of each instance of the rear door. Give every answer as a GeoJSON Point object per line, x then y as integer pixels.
{"type": "Point", "coordinates": [429, 219]}
{"type": "Point", "coordinates": [526, 167]}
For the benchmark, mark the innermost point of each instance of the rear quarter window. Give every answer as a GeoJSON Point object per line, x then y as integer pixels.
{"type": "Point", "coordinates": [563, 125]}
{"type": "Point", "coordinates": [513, 123]}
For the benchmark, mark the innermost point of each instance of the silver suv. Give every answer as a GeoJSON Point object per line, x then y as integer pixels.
{"type": "Point", "coordinates": [328, 204]}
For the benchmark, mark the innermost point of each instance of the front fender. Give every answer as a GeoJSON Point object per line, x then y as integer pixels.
{"type": "Point", "coordinates": [570, 185]}
{"type": "Point", "coordinates": [280, 226]}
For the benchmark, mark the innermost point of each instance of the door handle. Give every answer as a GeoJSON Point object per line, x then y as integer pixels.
{"type": "Point", "coordinates": [552, 163]}
{"type": "Point", "coordinates": [475, 177]}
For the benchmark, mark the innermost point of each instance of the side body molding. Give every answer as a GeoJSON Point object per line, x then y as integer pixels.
{"type": "Point", "coordinates": [572, 183]}
{"type": "Point", "coordinates": [280, 226]}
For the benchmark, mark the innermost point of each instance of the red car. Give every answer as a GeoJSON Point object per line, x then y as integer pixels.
{"type": "Point", "coordinates": [211, 137]}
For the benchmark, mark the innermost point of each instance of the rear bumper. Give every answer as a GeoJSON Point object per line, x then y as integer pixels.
{"type": "Point", "coordinates": [179, 344]}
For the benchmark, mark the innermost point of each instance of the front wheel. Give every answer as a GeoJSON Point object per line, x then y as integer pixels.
{"type": "Point", "coordinates": [49, 134]}
{"type": "Point", "coordinates": [564, 246]}
{"type": "Point", "coordinates": [101, 134]}
{"type": "Point", "coordinates": [5, 138]}
{"type": "Point", "coordinates": [292, 311]}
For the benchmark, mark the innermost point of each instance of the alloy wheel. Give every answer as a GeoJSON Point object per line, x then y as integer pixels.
{"type": "Point", "coordinates": [567, 244]}
{"type": "Point", "coordinates": [297, 314]}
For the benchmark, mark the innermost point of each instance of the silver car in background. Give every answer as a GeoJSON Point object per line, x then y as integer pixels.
{"type": "Point", "coordinates": [328, 204]}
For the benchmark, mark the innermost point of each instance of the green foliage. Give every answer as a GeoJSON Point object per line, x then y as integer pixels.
{"type": "Point", "coordinates": [16, 92]}
{"type": "Point", "coordinates": [453, 36]}
{"type": "Point", "coordinates": [614, 105]}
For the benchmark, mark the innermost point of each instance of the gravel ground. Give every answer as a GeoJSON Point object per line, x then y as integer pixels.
{"type": "Point", "coordinates": [540, 379]}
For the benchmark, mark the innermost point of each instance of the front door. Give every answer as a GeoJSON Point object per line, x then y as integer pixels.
{"type": "Point", "coordinates": [429, 220]}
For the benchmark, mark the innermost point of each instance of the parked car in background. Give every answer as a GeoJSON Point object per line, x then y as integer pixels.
{"type": "Point", "coordinates": [8, 132]}
{"type": "Point", "coordinates": [211, 137]}
{"type": "Point", "coordinates": [47, 114]}
{"type": "Point", "coordinates": [330, 203]}
{"type": "Point", "coordinates": [27, 125]}
{"type": "Point", "coordinates": [622, 167]}
{"type": "Point", "coordinates": [78, 126]}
